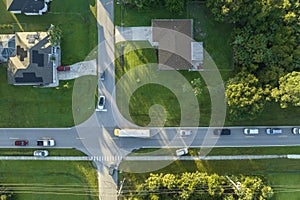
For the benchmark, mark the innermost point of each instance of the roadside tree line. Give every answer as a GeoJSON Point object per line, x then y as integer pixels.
{"type": "Point", "coordinates": [199, 185]}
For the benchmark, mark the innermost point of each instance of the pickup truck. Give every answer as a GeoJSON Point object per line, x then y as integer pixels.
{"type": "Point", "coordinates": [46, 142]}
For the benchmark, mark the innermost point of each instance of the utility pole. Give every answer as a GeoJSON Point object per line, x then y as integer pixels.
{"type": "Point", "coordinates": [121, 186]}
{"type": "Point", "coordinates": [237, 186]}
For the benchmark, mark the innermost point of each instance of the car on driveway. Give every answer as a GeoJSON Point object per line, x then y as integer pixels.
{"type": "Point", "coordinates": [296, 130]}
{"type": "Point", "coordinates": [271, 131]}
{"type": "Point", "coordinates": [101, 103]}
{"type": "Point", "coordinates": [224, 131]}
{"type": "Point", "coordinates": [41, 153]}
{"type": "Point", "coordinates": [63, 68]}
{"type": "Point", "coordinates": [21, 142]}
{"type": "Point", "coordinates": [251, 131]}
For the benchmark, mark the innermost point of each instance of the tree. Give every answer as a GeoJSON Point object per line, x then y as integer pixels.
{"type": "Point", "coordinates": [197, 86]}
{"type": "Point", "coordinates": [245, 98]}
{"type": "Point", "coordinates": [199, 185]}
{"type": "Point", "coordinates": [288, 91]}
{"type": "Point", "coordinates": [55, 35]}
{"type": "Point", "coordinates": [175, 6]}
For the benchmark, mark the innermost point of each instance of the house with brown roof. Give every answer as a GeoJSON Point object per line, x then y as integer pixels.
{"type": "Point", "coordinates": [176, 47]}
{"type": "Point", "coordinates": [173, 39]}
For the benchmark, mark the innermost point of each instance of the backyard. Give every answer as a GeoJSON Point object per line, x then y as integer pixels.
{"type": "Point", "coordinates": [217, 38]}
{"type": "Point", "coordinates": [26, 106]}
{"type": "Point", "coordinates": [282, 174]}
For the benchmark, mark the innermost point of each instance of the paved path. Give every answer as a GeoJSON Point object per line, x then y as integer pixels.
{"type": "Point", "coordinates": [236, 157]}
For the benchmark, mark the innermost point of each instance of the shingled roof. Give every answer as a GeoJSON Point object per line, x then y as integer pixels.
{"type": "Point", "coordinates": [26, 6]}
{"type": "Point", "coordinates": [174, 37]}
{"type": "Point", "coordinates": [31, 65]}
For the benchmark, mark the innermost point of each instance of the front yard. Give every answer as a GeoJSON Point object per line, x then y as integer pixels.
{"type": "Point", "coordinates": [25, 106]}
{"type": "Point", "coordinates": [216, 37]}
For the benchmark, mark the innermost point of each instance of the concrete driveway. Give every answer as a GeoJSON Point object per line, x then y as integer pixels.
{"type": "Point", "coordinates": [79, 69]}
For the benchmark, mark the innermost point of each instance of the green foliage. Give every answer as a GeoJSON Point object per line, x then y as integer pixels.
{"type": "Point", "coordinates": [197, 86]}
{"type": "Point", "coordinates": [288, 91]}
{"type": "Point", "coordinates": [266, 37]}
{"type": "Point", "coordinates": [175, 6]}
{"type": "Point", "coordinates": [142, 4]}
{"type": "Point", "coordinates": [245, 98]}
{"type": "Point", "coordinates": [250, 48]}
{"type": "Point", "coordinates": [6, 193]}
{"type": "Point", "coordinates": [199, 185]}
{"type": "Point", "coordinates": [55, 35]}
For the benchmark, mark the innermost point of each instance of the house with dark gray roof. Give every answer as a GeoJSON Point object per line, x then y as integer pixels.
{"type": "Point", "coordinates": [33, 63]}
{"type": "Point", "coordinates": [27, 7]}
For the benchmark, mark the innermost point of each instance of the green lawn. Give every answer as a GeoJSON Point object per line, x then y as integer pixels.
{"type": "Point", "coordinates": [61, 180]}
{"type": "Point", "coordinates": [29, 152]}
{"type": "Point", "coordinates": [134, 17]}
{"type": "Point", "coordinates": [282, 174]}
{"type": "Point", "coordinates": [228, 151]}
{"type": "Point", "coordinates": [216, 38]}
{"type": "Point", "coordinates": [25, 106]}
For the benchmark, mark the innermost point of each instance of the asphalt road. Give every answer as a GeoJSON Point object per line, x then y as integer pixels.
{"type": "Point", "coordinates": [95, 136]}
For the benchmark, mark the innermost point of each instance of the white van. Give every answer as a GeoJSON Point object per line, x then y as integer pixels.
{"type": "Point", "coordinates": [251, 131]}
{"type": "Point", "coordinates": [181, 152]}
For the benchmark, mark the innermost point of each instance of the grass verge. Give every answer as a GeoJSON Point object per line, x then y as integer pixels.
{"type": "Point", "coordinates": [282, 174]}
{"type": "Point", "coordinates": [29, 152]}
{"type": "Point", "coordinates": [62, 180]}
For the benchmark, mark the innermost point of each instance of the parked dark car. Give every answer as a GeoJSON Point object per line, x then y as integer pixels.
{"type": "Point", "coordinates": [63, 68]}
{"type": "Point", "coordinates": [224, 131]}
{"type": "Point", "coordinates": [21, 142]}
{"type": "Point", "coordinates": [102, 76]}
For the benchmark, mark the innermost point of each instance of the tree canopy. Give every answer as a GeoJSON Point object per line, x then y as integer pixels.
{"type": "Point", "coordinates": [199, 185]}
{"type": "Point", "coordinates": [245, 97]}
{"type": "Point", "coordinates": [266, 44]}
{"type": "Point", "coordinates": [288, 92]}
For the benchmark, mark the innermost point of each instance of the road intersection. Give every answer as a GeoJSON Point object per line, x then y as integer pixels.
{"type": "Point", "coordinates": [95, 136]}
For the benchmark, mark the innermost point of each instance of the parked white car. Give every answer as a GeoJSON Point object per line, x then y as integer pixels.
{"type": "Point", "coordinates": [181, 152]}
{"type": "Point", "coordinates": [101, 103]}
{"type": "Point", "coordinates": [41, 153]}
{"type": "Point", "coordinates": [185, 132]}
{"type": "Point", "coordinates": [251, 131]}
{"type": "Point", "coordinates": [296, 130]}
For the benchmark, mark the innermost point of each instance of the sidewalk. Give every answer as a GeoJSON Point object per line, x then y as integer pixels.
{"type": "Point", "coordinates": [236, 157]}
